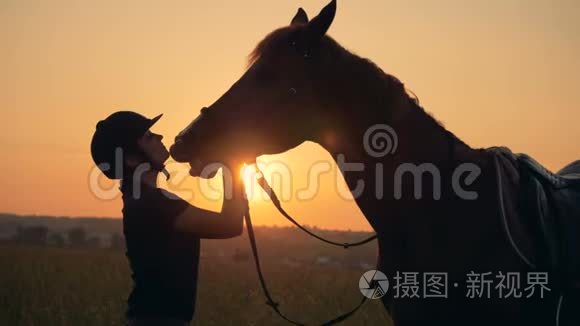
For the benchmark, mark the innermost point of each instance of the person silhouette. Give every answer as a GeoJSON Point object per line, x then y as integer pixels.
{"type": "Point", "coordinates": [162, 231]}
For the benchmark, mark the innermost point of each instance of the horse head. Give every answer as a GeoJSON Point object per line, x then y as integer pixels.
{"type": "Point", "coordinates": [271, 108]}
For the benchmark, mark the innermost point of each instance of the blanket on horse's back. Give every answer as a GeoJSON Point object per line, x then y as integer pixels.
{"type": "Point", "coordinates": [541, 215]}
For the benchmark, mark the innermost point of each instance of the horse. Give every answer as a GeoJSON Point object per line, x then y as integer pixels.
{"type": "Point", "coordinates": [301, 85]}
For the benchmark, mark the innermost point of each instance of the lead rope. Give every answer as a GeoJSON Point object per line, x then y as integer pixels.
{"type": "Point", "coordinates": [264, 184]}
{"type": "Point", "coordinates": [252, 237]}
{"type": "Point", "coordinates": [269, 301]}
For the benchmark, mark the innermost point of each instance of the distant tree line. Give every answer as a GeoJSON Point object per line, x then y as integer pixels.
{"type": "Point", "coordinates": [75, 237]}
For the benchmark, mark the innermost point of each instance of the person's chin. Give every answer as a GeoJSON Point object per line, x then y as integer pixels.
{"type": "Point", "coordinates": [159, 162]}
{"type": "Point", "coordinates": [164, 157]}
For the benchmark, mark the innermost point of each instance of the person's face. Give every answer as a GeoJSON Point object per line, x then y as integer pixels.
{"type": "Point", "coordinates": [150, 143]}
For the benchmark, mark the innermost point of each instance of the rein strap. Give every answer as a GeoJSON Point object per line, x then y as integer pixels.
{"type": "Point", "coordinates": [264, 184]}
{"type": "Point", "coordinates": [269, 301]}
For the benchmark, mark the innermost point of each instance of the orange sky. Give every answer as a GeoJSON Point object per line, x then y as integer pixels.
{"type": "Point", "coordinates": [494, 72]}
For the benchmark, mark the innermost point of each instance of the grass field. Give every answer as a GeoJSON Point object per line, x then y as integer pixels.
{"type": "Point", "coordinates": [52, 286]}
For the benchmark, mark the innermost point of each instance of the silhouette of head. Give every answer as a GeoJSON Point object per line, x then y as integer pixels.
{"type": "Point", "coordinates": [123, 141]}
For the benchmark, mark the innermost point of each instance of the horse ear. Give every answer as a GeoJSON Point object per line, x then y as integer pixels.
{"type": "Point", "coordinates": [301, 18]}
{"type": "Point", "coordinates": [319, 25]}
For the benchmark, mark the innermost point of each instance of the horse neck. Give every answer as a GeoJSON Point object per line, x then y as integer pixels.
{"type": "Point", "coordinates": [421, 140]}
{"type": "Point", "coordinates": [357, 95]}
{"type": "Point", "coordinates": [409, 228]}
{"type": "Point", "coordinates": [354, 100]}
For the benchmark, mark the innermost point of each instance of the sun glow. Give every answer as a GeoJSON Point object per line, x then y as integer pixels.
{"type": "Point", "coordinates": [249, 174]}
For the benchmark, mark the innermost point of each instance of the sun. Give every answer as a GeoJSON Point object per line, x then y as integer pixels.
{"type": "Point", "coordinates": [247, 172]}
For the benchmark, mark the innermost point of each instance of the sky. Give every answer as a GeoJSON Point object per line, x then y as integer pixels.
{"type": "Point", "coordinates": [493, 72]}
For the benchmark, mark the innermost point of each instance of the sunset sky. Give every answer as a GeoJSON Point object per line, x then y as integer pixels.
{"type": "Point", "coordinates": [494, 72]}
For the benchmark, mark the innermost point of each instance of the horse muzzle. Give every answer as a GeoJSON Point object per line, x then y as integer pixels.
{"type": "Point", "coordinates": [178, 152]}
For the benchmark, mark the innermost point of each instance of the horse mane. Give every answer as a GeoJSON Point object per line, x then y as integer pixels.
{"type": "Point", "coordinates": [362, 75]}
{"type": "Point", "coordinates": [269, 43]}
{"type": "Point", "coordinates": [372, 80]}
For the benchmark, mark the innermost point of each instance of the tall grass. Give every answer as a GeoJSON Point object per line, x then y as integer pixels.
{"type": "Point", "coordinates": [49, 286]}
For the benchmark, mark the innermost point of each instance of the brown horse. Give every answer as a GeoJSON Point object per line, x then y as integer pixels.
{"type": "Point", "coordinates": [302, 85]}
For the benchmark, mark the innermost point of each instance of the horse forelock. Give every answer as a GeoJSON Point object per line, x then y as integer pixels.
{"type": "Point", "coordinates": [271, 41]}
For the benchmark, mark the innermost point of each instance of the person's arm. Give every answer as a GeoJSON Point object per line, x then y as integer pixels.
{"type": "Point", "coordinates": [211, 225]}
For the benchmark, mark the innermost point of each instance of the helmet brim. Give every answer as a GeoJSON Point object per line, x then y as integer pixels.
{"type": "Point", "coordinates": [154, 120]}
